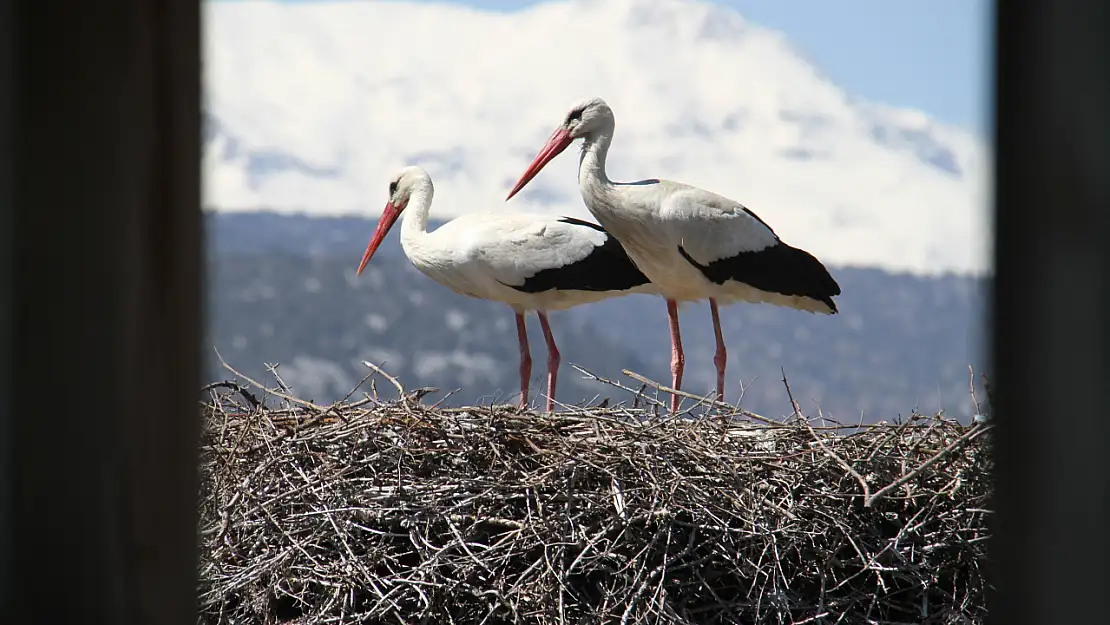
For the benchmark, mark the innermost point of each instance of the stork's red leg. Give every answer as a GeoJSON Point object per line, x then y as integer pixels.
{"type": "Point", "coordinates": [678, 360]}
{"type": "Point", "coordinates": [720, 358]}
{"type": "Point", "coordinates": [525, 360]}
{"type": "Point", "coordinates": [552, 361]}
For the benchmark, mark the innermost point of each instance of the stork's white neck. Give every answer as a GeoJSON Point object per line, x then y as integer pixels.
{"type": "Point", "coordinates": [414, 223]}
{"type": "Point", "coordinates": [599, 193]}
{"type": "Point", "coordinates": [591, 164]}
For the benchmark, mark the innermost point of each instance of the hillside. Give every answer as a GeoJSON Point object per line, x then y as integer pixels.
{"type": "Point", "coordinates": [283, 291]}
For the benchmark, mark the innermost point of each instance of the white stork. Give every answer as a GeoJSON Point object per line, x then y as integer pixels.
{"type": "Point", "coordinates": [529, 262]}
{"type": "Point", "coordinates": [692, 244]}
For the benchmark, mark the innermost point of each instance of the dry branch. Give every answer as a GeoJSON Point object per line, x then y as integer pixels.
{"type": "Point", "coordinates": [375, 512]}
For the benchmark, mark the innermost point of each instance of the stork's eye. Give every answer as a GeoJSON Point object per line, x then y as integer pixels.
{"type": "Point", "coordinates": [393, 188]}
{"type": "Point", "coordinates": [574, 116]}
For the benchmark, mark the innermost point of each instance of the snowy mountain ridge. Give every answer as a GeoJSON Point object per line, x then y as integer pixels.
{"type": "Point", "coordinates": [311, 107]}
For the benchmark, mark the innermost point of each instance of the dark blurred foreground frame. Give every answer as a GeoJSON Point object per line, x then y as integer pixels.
{"type": "Point", "coordinates": [1052, 311]}
{"type": "Point", "coordinates": [100, 310]}
{"type": "Point", "coordinates": [100, 193]}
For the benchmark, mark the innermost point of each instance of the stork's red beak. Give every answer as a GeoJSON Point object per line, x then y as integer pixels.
{"type": "Point", "coordinates": [389, 215]}
{"type": "Point", "coordinates": [558, 142]}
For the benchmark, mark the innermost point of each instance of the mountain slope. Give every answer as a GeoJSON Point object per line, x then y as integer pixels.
{"type": "Point", "coordinates": [311, 106]}
{"type": "Point", "coordinates": [282, 290]}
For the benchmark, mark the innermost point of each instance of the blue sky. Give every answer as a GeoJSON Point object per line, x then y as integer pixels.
{"type": "Point", "coordinates": [928, 54]}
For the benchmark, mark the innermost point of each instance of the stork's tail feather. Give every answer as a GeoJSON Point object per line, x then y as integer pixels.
{"type": "Point", "coordinates": [780, 269]}
{"type": "Point", "coordinates": [814, 279]}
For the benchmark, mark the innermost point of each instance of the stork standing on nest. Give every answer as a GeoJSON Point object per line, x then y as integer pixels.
{"type": "Point", "coordinates": [529, 262]}
{"type": "Point", "coordinates": [691, 243]}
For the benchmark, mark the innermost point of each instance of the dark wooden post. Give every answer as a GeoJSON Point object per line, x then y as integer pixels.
{"type": "Point", "coordinates": [7, 294]}
{"type": "Point", "coordinates": [102, 311]}
{"type": "Point", "coordinates": [1052, 310]}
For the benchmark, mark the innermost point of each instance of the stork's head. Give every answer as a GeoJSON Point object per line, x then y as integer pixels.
{"type": "Point", "coordinates": [404, 182]}
{"type": "Point", "coordinates": [587, 117]}
{"type": "Point", "coordinates": [401, 187]}
{"type": "Point", "coordinates": [584, 120]}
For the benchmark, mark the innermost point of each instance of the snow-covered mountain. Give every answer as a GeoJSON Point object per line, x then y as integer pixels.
{"type": "Point", "coordinates": [311, 107]}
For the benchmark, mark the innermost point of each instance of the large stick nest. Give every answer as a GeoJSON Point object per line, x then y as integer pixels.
{"type": "Point", "coordinates": [368, 511]}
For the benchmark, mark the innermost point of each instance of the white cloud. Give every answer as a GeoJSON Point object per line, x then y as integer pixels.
{"type": "Point", "coordinates": [345, 92]}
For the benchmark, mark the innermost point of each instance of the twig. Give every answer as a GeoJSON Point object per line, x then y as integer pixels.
{"type": "Point", "coordinates": [392, 380]}
{"type": "Point", "coordinates": [666, 389]}
{"type": "Point", "coordinates": [839, 460]}
{"type": "Point", "coordinates": [793, 404]}
{"type": "Point", "coordinates": [235, 386]}
{"type": "Point", "coordinates": [273, 369]}
{"type": "Point", "coordinates": [971, 386]}
{"type": "Point", "coordinates": [418, 394]}
{"type": "Point", "coordinates": [975, 431]}
{"type": "Point", "coordinates": [287, 397]}
{"type": "Point", "coordinates": [638, 394]}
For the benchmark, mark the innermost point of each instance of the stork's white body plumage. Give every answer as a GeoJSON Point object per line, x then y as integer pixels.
{"type": "Point", "coordinates": [529, 262]}
{"type": "Point", "coordinates": [691, 243]}
{"type": "Point", "coordinates": [678, 243]}
{"type": "Point", "coordinates": [499, 256]}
